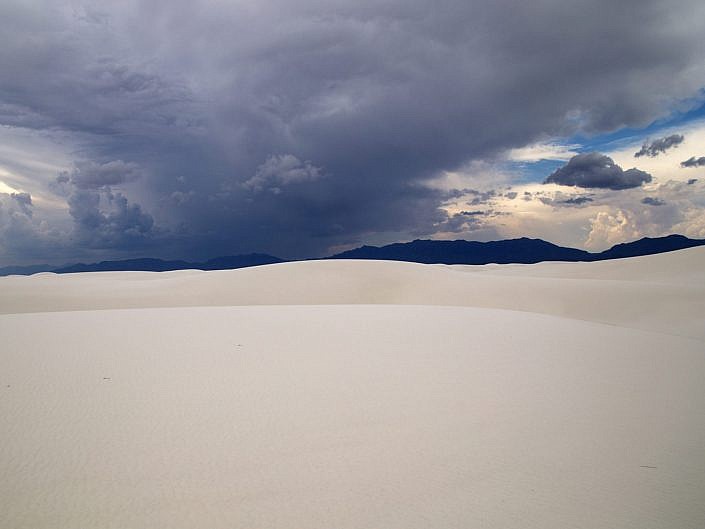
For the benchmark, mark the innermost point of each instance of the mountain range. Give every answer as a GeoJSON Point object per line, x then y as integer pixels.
{"type": "Point", "coordinates": [523, 250]}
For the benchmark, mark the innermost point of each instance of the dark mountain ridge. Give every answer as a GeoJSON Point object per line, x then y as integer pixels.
{"type": "Point", "coordinates": [649, 246]}
{"type": "Point", "coordinates": [521, 251]}
{"type": "Point", "coordinates": [159, 265]}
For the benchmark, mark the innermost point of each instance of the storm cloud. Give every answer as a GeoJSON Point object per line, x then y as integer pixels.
{"type": "Point", "coordinates": [659, 146]}
{"type": "Point", "coordinates": [595, 170]}
{"type": "Point", "coordinates": [199, 129]}
{"type": "Point", "coordinates": [108, 219]}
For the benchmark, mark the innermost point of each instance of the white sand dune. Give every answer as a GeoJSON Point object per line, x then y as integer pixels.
{"type": "Point", "coordinates": [353, 394]}
{"type": "Point", "coordinates": [664, 293]}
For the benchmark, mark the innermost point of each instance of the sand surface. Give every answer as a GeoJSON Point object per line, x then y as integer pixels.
{"type": "Point", "coordinates": [354, 394]}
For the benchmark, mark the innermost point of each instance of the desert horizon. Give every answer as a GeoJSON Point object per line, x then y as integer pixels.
{"type": "Point", "coordinates": [357, 394]}
{"type": "Point", "coordinates": [352, 264]}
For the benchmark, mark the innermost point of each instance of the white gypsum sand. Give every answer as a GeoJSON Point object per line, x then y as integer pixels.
{"type": "Point", "coordinates": [351, 394]}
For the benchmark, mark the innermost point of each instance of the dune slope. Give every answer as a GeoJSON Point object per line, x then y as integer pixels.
{"type": "Point", "coordinates": [664, 292]}
{"type": "Point", "coordinates": [357, 395]}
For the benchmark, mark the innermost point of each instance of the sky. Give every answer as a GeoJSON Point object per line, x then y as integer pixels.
{"type": "Point", "coordinates": [300, 128]}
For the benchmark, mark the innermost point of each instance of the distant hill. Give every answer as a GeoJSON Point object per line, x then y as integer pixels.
{"type": "Point", "coordinates": [147, 265]}
{"type": "Point", "coordinates": [159, 265]}
{"type": "Point", "coordinates": [648, 246]}
{"type": "Point", "coordinates": [469, 252]}
{"type": "Point", "coordinates": [239, 261]}
{"type": "Point", "coordinates": [524, 250]}
{"type": "Point", "coordinates": [25, 270]}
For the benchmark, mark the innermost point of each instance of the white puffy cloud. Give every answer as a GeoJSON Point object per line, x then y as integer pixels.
{"type": "Point", "coordinates": [693, 224]}
{"type": "Point", "coordinates": [610, 227]}
{"type": "Point", "coordinates": [594, 219]}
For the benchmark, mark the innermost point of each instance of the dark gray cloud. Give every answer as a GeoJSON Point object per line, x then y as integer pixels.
{"type": "Point", "coordinates": [298, 126]}
{"type": "Point", "coordinates": [24, 201]}
{"type": "Point", "coordinates": [22, 235]}
{"type": "Point", "coordinates": [282, 170]}
{"type": "Point", "coordinates": [595, 170]}
{"type": "Point", "coordinates": [105, 220]}
{"type": "Point", "coordinates": [659, 146]}
{"type": "Point", "coordinates": [577, 201]}
{"type": "Point", "coordinates": [91, 175]}
{"type": "Point", "coordinates": [691, 181]}
{"type": "Point", "coordinates": [480, 197]}
{"type": "Point", "coordinates": [694, 162]}
{"type": "Point", "coordinates": [559, 200]}
{"type": "Point", "coordinates": [475, 222]}
{"type": "Point", "coordinates": [653, 201]}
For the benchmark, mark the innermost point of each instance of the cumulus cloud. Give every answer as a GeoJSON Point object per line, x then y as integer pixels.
{"type": "Point", "coordinates": [565, 216]}
{"type": "Point", "coordinates": [694, 162]}
{"type": "Point", "coordinates": [692, 224]}
{"type": "Point", "coordinates": [595, 170]}
{"type": "Point", "coordinates": [282, 170]}
{"type": "Point", "coordinates": [659, 146]}
{"type": "Point", "coordinates": [608, 228]}
{"type": "Point", "coordinates": [107, 219]}
{"type": "Point", "coordinates": [102, 217]}
{"type": "Point", "coordinates": [24, 236]}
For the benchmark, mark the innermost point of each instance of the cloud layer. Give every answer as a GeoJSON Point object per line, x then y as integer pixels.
{"type": "Point", "coordinates": [198, 128]}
